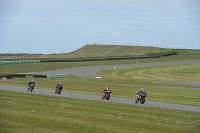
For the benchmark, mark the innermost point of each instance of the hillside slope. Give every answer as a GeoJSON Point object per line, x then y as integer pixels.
{"type": "Point", "coordinates": [118, 49]}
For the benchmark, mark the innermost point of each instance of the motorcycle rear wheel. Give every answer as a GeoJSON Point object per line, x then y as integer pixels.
{"type": "Point", "coordinates": [142, 101]}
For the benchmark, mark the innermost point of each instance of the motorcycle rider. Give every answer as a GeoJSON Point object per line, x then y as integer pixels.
{"type": "Point", "coordinates": [32, 82]}
{"type": "Point", "coordinates": [142, 91]}
{"type": "Point", "coordinates": [107, 89]}
{"type": "Point", "coordinates": [59, 86]}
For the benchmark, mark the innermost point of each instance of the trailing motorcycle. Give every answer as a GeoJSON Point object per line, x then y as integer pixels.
{"type": "Point", "coordinates": [30, 88]}
{"type": "Point", "coordinates": [140, 98]}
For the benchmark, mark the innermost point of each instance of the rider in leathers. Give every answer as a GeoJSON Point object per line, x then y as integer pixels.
{"type": "Point", "coordinates": [59, 86]}
{"type": "Point", "coordinates": [32, 82]}
{"type": "Point", "coordinates": [107, 89]}
{"type": "Point", "coordinates": [142, 91]}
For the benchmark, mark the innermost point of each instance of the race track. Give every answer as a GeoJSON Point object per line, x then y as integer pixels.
{"type": "Point", "coordinates": [90, 72]}
{"type": "Point", "coordinates": [98, 98]}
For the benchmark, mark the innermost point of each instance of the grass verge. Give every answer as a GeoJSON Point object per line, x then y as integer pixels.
{"type": "Point", "coordinates": [174, 73]}
{"type": "Point", "coordinates": [22, 112]}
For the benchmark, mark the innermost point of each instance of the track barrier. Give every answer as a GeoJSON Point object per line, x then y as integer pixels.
{"type": "Point", "coordinates": [19, 62]}
{"type": "Point", "coordinates": [57, 76]}
{"type": "Point", "coordinates": [10, 76]}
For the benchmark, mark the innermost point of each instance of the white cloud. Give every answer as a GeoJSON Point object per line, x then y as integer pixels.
{"type": "Point", "coordinates": [115, 34]}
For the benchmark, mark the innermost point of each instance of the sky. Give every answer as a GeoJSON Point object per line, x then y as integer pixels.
{"type": "Point", "coordinates": [62, 26]}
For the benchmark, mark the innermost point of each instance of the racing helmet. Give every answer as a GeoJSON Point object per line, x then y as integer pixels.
{"type": "Point", "coordinates": [142, 89]}
{"type": "Point", "coordinates": [107, 88]}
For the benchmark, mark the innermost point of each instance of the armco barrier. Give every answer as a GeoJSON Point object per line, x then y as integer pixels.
{"type": "Point", "coordinates": [19, 62]}
{"type": "Point", "coordinates": [57, 76]}
{"type": "Point", "coordinates": [100, 59]}
{"type": "Point", "coordinates": [169, 54]}
{"type": "Point", "coordinates": [39, 76]}
{"type": "Point", "coordinates": [165, 54]}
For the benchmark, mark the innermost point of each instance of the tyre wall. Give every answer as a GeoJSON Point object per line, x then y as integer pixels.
{"type": "Point", "coordinates": [57, 76]}
{"type": "Point", "coordinates": [19, 62]}
{"type": "Point", "coordinates": [10, 76]}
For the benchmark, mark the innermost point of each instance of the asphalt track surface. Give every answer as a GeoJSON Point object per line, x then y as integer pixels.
{"type": "Point", "coordinates": [98, 98]}
{"type": "Point", "coordinates": [90, 72]}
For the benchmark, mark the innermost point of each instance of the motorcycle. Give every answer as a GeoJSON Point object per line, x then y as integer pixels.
{"type": "Point", "coordinates": [106, 95]}
{"type": "Point", "coordinates": [30, 88]}
{"type": "Point", "coordinates": [140, 99]}
{"type": "Point", "coordinates": [57, 90]}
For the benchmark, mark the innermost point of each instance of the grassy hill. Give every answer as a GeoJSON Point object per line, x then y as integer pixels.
{"type": "Point", "coordinates": [100, 50]}
{"type": "Point", "coordinates": [118, 49]}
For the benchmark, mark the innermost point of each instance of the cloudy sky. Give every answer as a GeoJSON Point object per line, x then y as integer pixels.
{"type": "Point", "coordinates": [55, 26]}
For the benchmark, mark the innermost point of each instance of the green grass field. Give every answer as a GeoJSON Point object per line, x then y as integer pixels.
{"type": "Point", "coordinates": [29, 113]}
{"type": "Point", "coordinates": [182, 73]}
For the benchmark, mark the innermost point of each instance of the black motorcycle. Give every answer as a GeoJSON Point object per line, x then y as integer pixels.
{"type": "Point", "coordinates": [140, 99]}
{"type": "Point", "coordinates": [30, 88]}
{"type": "Point", "coordinates": [57, 90]}
{"type": "Point", "coordinates": [107, 95]}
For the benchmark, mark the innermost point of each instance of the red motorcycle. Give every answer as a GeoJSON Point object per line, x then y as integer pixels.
{"type": "Point", "coordinates": [106, 95]}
